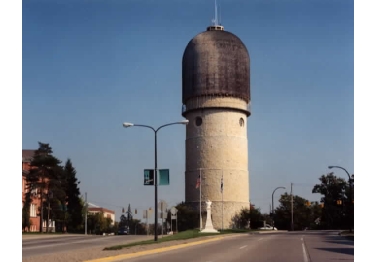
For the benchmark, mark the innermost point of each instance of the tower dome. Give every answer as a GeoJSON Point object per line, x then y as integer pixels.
{"type": "Point", "coordinates": [216, 63]}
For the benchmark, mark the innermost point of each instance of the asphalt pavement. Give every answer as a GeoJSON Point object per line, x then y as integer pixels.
{"type": "Point", "coordinates": [48, 244]}
{"type": "Point", "coordinates": [304, 246]}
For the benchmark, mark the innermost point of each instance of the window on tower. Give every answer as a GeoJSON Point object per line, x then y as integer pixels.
{"type": "Point", "coordinates": [198, 121]}
{"type": "Point", "coordinates": [241, 121]}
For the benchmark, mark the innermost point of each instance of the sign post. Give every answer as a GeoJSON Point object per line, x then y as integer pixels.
{"type": "Point", "coordinates": [174, 215]}
{"type": "Point", "coordinates": [162, 206]}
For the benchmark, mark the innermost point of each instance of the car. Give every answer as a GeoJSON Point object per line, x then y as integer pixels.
{"type": "Point", "coordinates": [122, 231]}
{"type": "Point", "coordinates": [267, 227]}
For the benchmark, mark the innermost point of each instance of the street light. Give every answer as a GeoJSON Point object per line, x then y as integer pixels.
{"type": "Point", "coordinates": [183, 122]}
{"type": "Point", "coordinates": [273, 203]}
{"type": "Point", "coordinates": [351, 189]}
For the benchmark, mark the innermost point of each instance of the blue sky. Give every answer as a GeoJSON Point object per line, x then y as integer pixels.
{"type": "Point", "coordinates": [88, 66]}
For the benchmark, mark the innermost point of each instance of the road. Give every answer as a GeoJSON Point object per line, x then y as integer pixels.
{"type": "Point", "coordinates": [41, 245]}
{"type": "Point", "coordinates": [304, 246]}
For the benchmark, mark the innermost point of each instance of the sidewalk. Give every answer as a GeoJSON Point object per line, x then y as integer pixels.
{"type": "Point", "coordinates": [38, 236]}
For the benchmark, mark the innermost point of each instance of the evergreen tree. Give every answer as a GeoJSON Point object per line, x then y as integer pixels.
{"type": "Point", "coordinates": [44, 168]}
{"type": "Point", "coordinates": [129, 215]}
{"type": "Point", "coordinates": [26, 212]}
{"type": "Point", "coordinates": [74, 203]}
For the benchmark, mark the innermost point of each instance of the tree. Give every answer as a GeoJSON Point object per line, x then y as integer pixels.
{"type": "Point", "coordinates": [74, 202]}
{"type": "Point", "coordinates": [242, 218]}
{"type": "Point", "coordinates": [335, 192]}
{"type": "Point", "coordinates": [188, 218]}
{"type": "Point", "coordinates": [98, 223]}
{"type": "Point", "coordinates": [129, 215]}
{"type": "Point", "coordinates": [43, 168]}
{"type": "Point", "coordinates": [56, 200]}
{"type": "Point", "coordinates": [303, 213]}
{"type": "Point", "coordinates": [26, 212]}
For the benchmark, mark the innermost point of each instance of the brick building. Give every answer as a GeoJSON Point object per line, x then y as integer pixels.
{"type": "Point", "coordinates": [106, 212]}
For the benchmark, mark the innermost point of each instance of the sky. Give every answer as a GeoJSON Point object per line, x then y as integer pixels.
{"type": "Point", "coordinates": [89, 66]}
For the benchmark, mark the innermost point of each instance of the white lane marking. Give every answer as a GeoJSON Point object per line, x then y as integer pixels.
{"type": "Point", "coordinates": [305, 256]}
{"type": "Point", "coordinates": [242, 247]}
{"type": "Point", "coordinates": [260, 239]}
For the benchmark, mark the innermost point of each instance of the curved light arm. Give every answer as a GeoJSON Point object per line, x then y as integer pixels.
{"type": "Point", "coordinates": [278, 188]}
{"type": "Point", "coordinates": [330, 167]}
{"type": "Point", "coordinates": [125, 124]}
{"type": "Point", "coordinates": [183, 122]}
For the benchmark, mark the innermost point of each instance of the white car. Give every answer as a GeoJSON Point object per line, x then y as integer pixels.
{"type": "Point", "coordinates": [267, 227]}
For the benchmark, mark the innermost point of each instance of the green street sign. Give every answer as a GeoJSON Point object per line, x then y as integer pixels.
{"type": "Point", "coordinates": [148, 177]}
{"type": "Point", "coordinates": [164, 177]}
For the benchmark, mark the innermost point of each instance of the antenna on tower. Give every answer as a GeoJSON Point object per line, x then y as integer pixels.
{"type": "Point", "coordinates": [215, 20]}
{"type": "Point", "coordinates": [220, 22]}
{"type": "Point", "coordinates": [216, 24]}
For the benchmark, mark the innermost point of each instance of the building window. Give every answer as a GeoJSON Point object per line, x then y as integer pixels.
{"type": "Point", "coordinates": [241, 121]}
{"type": "Point", "coordinates": [33, 210]}
{"type": "Point", "coordinates": [198, 121]}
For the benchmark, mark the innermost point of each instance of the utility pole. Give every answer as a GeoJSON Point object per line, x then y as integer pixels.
{"type": "Point", "coordinates": [292, 210]}
{"type": "Point", "coordinates": [85, 213]}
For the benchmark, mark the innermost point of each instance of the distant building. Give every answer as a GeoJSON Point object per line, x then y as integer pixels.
{"type": "Point", "coordinates": [92, 209]}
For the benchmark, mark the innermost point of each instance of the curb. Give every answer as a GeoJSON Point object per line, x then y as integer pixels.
{"type": "Point", "coordinates": [154, 251]}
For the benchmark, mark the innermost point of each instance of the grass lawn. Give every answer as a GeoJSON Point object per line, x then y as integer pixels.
{"type": "Point", "coordinates": [179, 236]}
{"type": "Point", "coordinates": [347, 234]}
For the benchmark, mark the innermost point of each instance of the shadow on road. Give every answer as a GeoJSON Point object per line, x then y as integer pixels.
{"type": "Point", "coordinates": [340, 241]}
{"type": "Point", "coordinates": [347, 251]}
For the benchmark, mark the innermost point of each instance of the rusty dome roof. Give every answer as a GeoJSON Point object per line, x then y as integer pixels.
{"type": "Point", "coordinates": [216, 62]}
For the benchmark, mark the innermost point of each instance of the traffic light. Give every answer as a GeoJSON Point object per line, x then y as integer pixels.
{"type": "Point", "coordinates": [148, 177]}
{"type": "Point", "coordinates": [322, 205]}
{"type": "Point", "coordinates": [308, 203]}
{"type": "Point", "coordinates": [123, 210]}
{"type": "Point", "coordinates": [339, 202]}
{"type": "Point", "coordinates": [135, 211]}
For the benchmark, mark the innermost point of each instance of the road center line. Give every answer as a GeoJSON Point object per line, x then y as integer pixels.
{"type": "Point", "coordinates": [305, 255]}
{"type": "Point", "coordinates": [242, 247]}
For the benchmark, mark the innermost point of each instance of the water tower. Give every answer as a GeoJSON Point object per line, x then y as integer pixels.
{"type": "Point", "coordinates": [216, 101]}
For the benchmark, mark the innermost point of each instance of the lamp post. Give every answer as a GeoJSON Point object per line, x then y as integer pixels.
{"type": "Point", "coordinates": [350, 188]}
{"type": "Point", "coordinates": [273, 203]}
{"type": "Point", "coordinates": [183, 122]}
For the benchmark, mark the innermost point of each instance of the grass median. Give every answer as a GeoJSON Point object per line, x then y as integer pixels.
{"type": "Point", "coordinates": [347, 234]}
{"type": "Point", "coordinates": [195, 233]}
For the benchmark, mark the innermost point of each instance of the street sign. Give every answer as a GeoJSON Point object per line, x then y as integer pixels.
{"type": "Point", "coordinates": [162, 205]}
{"type": "Point", "coordinates": [173, 216]}
{"type": "Point", "coordinates": [148, 177]}
{"type": "Point", "coordinates": [173, 210]}
{"type": "Point", "coordinates": [164, 177]}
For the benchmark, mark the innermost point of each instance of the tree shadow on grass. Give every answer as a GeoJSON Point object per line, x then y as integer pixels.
{"type": "Point", "coordinates": [345, 250]}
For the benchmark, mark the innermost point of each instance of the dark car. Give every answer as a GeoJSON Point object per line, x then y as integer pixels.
{"type": "Point", "coordinates": [123, 231]}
